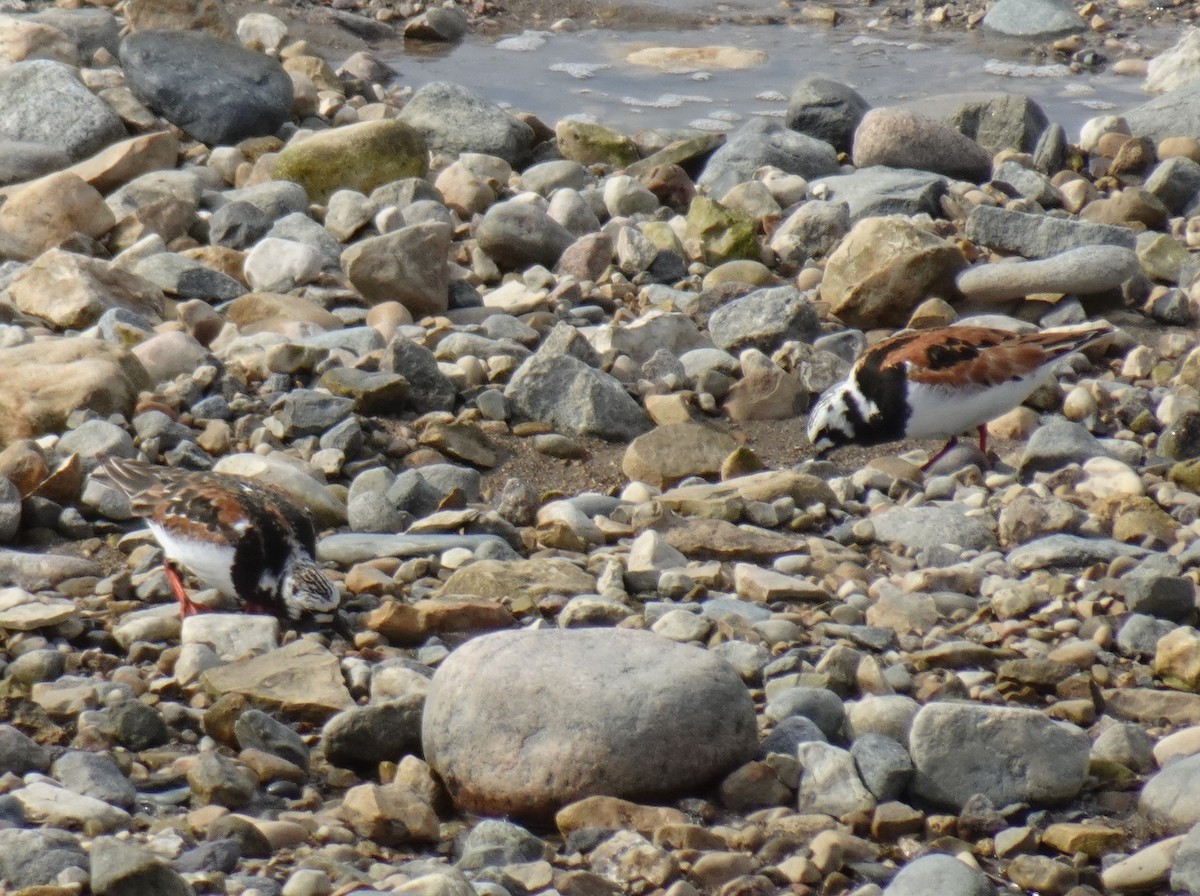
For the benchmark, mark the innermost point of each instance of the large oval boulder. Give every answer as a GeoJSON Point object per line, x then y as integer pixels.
{"type": "Point", "coordinates": [522, 723]}
{"type": "Point", "coordinates": [214, 91]}
{"type": "Point", "coordinates": [358, 157]}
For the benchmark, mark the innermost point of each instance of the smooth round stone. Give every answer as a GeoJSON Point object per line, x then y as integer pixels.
{"type": "Point", "coordinates": [1082, 271]}
{"type": "Point", "coordinates": [941, 874]}
{"type": "Point", "coordinates": [525, 722]}
{"type": "Point", "coordinates": [901, 138]}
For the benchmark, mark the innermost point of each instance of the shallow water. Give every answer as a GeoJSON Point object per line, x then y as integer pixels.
{"type": "Point", "coordinates": [584, 73]}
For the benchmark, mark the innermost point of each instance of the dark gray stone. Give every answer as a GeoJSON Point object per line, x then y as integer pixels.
{"type": "Point", "coordinates": [453, 120]}
{"type": "Point", "coordinates": [10, 511]}
{"type": "Point", "coordinates": [214, 855]}
{"type": "Point", "coordinates": [310, 412]}
{"type": "Point", "coordinates": [1176, 182]}
{"type": "Point", "coordinates": [46, 103]}
{"type": "Point", "coordinates": [95, 775]}
{"type": "Point", "coordinates": [185, 278]}
{"type": "Point", "coordinates": [827, 110]}
{"type": "Point", "coordinates": [1164, 597]}
{"type": "Point", "coordinates": [411, 492]}
{"type": "Point", "coordinates": [519, 234]}
{"type": "Point", "coordinates": [762, 142]}
{"type": "Point", "coordinates": [1056, 444]}
{"type": "Point", "coordinates": [788, 734]}
{"type": "Point", "coordinates": [1027, 183]}
{"type": "Point", "coordinates": [1139, 635]}
{"type": "Point", "coordinates": [213, 90]}
{"type": "Point", "coordinates": [428, 388]}
{"type": "Point", "coordinates": [42, 664]}
{"type": "Point", "coordinates": [995, 121]}
{"type": "Point", "coordinates": [255, 729]}
{"type": "Point", "coordinates": [883, 764]}
{"type": "Point", "coordinates": [447, 477]}
{"type": "Point", "coordinates": [382, 732]}
{"type": "Point", "coordinates": [575, 399]}
{"type": "Point", "coordinates": [822, 706]}
{"type": "Point", "coordinates": [1050, 153]}
{"type": "Point", "coordinates": [138, 725]}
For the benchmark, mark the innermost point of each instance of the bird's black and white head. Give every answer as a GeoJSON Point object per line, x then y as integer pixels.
{"type": "Point", "coordinates": [304, 590]}
{"type": "Point", "coordinates": [831, 423]}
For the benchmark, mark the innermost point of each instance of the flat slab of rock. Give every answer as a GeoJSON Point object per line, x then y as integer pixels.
{"type": "Point", "coordinates": [927, 527]}
{"type": "Point", "coordinates": [502, 579]}
{"type": "Point", "coordinates": [1008, 754]}
{"type": "Point", "coordinates": [1082, 271]}
{"type": "Point", "coordinates": [673, 452]}
{"type": "Point", "coordinates": [1039, 236]}
{"type": "Point", "coordinates": [727, 500]}
{"type": "Point", "coordinates": [355, 547]}
{"type": "Point", "coordinates": [302, 679]}
{"type": "Point", "coordinates": [523, 723]}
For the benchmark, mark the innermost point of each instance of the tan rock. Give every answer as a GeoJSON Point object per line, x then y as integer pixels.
{"type": "Point", "coordinates": [408, 266]}
{"type": "Point", "coordinates": [302, 679]}
{"type": "Point", "coordinates": [1153, 706]}
{"type": "Point", "coordinates": [720, 539]}
{"type": "Point", "coordinates": [48, 211]}
{"type": "Point", "coordinates": [21, 39]}
{"type": "Point", "coordinates": [180, 15]}
{"type": "Point", "coordinates": [1095, 840]}
{"type": "Point", "coordinates": [669, 453]}
{"type": "Point", "coordinates": [884, 268]}
{"type": "Point", "coordinates": [413, 624]}
{"type": "Point", "coordinates": [257, 311]}
{"type": "Point", "coordinates": [767, 392]}
{"type": "Point", "coordinates": [71, 291]}
{"type": "Point", "coordinates": [504, 580]}
{"type": "Point", "coordinates": [681, 60]}
{"type": "Point", "coordinates": [47, 380]}
{"type": "Point", "coordinates": [1177, 659]}
{"type": "Point", "coordinates": [611, 813]}
{"type": "Point", "coordinates": [389, 815]}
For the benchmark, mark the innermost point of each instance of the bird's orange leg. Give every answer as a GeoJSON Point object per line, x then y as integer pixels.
{"type": "Point", "coordinates": [983, 439]}
{"type": "Point", "coordinates": [186, 606]}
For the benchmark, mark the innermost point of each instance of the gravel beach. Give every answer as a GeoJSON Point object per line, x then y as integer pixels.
{"type": "Point", "coordinates": [542, 386]}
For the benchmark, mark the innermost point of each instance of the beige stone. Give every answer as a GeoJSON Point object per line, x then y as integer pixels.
{"type": "Point", "coordinates": [48, 211]}
{"type": "Point", "coordinates": [71, 291]}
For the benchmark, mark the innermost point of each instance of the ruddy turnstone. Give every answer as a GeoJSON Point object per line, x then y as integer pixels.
{"type": "Point", "coordinates": [249, 542]}
{"type": "Point", "coordinates": [940, 383]}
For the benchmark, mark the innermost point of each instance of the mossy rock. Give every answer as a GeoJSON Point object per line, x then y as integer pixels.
{"type": "Point", "coordinates": [358, 157]}
{"type": "Point", "coordinates": [592, 144]}
{"type": "Point", "coordinates": [721, 234]}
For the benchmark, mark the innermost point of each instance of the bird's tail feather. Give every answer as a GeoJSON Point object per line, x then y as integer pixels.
{"type": "Point", "coordinates": [131, 477]}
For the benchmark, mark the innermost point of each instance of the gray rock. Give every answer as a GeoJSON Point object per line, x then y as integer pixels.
{"type": "Point", "coordinates": [574, 398]}
{"type": "Point", "coordinates": [1033, 18]}
{"type": "Point", "coordinates": [215, 91]}
{"type": "Point", "coordinates": [524, 722]}
{"type": "Point", "coordinates": [308, 412]}
{"type": "Point", "coordinates": [995, 121]}
{"type": "Point", "coordinates": [77, 121]}
{"type": "Point", "coordinates": [1185, 868]}
{"type": "Point", "coordinates": [1039, 236]}
{"type": "Point", "coordinates": [35, 858]}
{"type": "Point", "coordinates": [1065, 550]}
{"type": "Point", "coordinates": [448, 477]}
{"type": "Point", "coordinates": [1176, 183]}
{"type": "Point", "coordinates": [407, 265]}
{"type": "Point", "coordinates": [428, 388]}
{"type": "Point", "coordinates": [520, 234]}
{"type": "Point", "coordinates": [878, 191]}
{"type": "Point", "coordinates": [20, 754]}
{"type": "Point", "coordinates": [22, 160]}
{"type": "Point", "coordinates": [358, 341]}
{"type": "Point", "coordinates": [941, 874]}
{"type": "Point", "coordinates": [1050, 153]}
{"type": "Point", "coordinates": [42, 664]}
{"type": "Point", "coordinates": [411, 493]}
{"type": "Point", "coordinates": [829, 782]}
{"type": "Point", "coordinates": [1126, 743]}
{"type": "Point", "coordinates": [217, 780]}
{"type": "Point", "coordinates": [764, 319]}
{"type": "Point", "coordinates": [883, 764]}
{"type": "Point", "coordinates": [788, 734]}
{"type": "Point", "coordinates": [1174, 114]}
{"type": "Point", "coordinates": [382, 732]}
{"type": "Point", "coordinates": [185, 278]}
{"type": "Point", "coordinates": [275, 198]}
{"type": "Point", "coordinates": [255, 729]}
{"type": "Point", "coordinates": [1008, 754]}
{"type": "Point", "coordinates": [10, 511]}
{"type": "Point", "coordinates": [95, 775]}
{"type": "Point", "coordinates": [926, 527]}
{"type": "Point", "coordinates": [1171, 798]}
{"type": "Point", "coordinates": [346, 548]}
{"type": "Point", "coordinates": [827, 110]}
{"type": "Point", "coordinates": [453, 120]}
{"type": "Point", "coordinates": [1028, 183]}
{"type": "Point", "coordinates": [372, 511]}
{"type": "Point", "coordinates": [221, 856]}
{"type": "Point", "coordinates": [1139, 635]}
{"type": "Point", "coordinates": [812, 231]}
{"type": "Point", "coordinates": [94, 439]}
{"type": "Point", "coordinates": [1165, 597]}
{"type": "Point", "coordinates": [119, 868]}
{"type": "Point", "coordinates": [760, 142]}
{"type": "Point", "coordinates": [1056, 444]}
{"type": "Point", "coordinates": [89, 29]}
{"type": "Point", "coordinates": [300, 228]}
{"type": "Point", "coordinates": [495, 842]}
{"type": "Point", "coordinates": [546, 177]}
{"type": "Point", "coordinates": [821, 705]}
{"type": "Point", "coordinates": [1082, 271]}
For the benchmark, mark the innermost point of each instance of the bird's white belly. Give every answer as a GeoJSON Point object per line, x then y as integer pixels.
{"type": "Point", "coordinates": [210, 563]}
{"type": "Point", "coordinates": [937, 412]}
